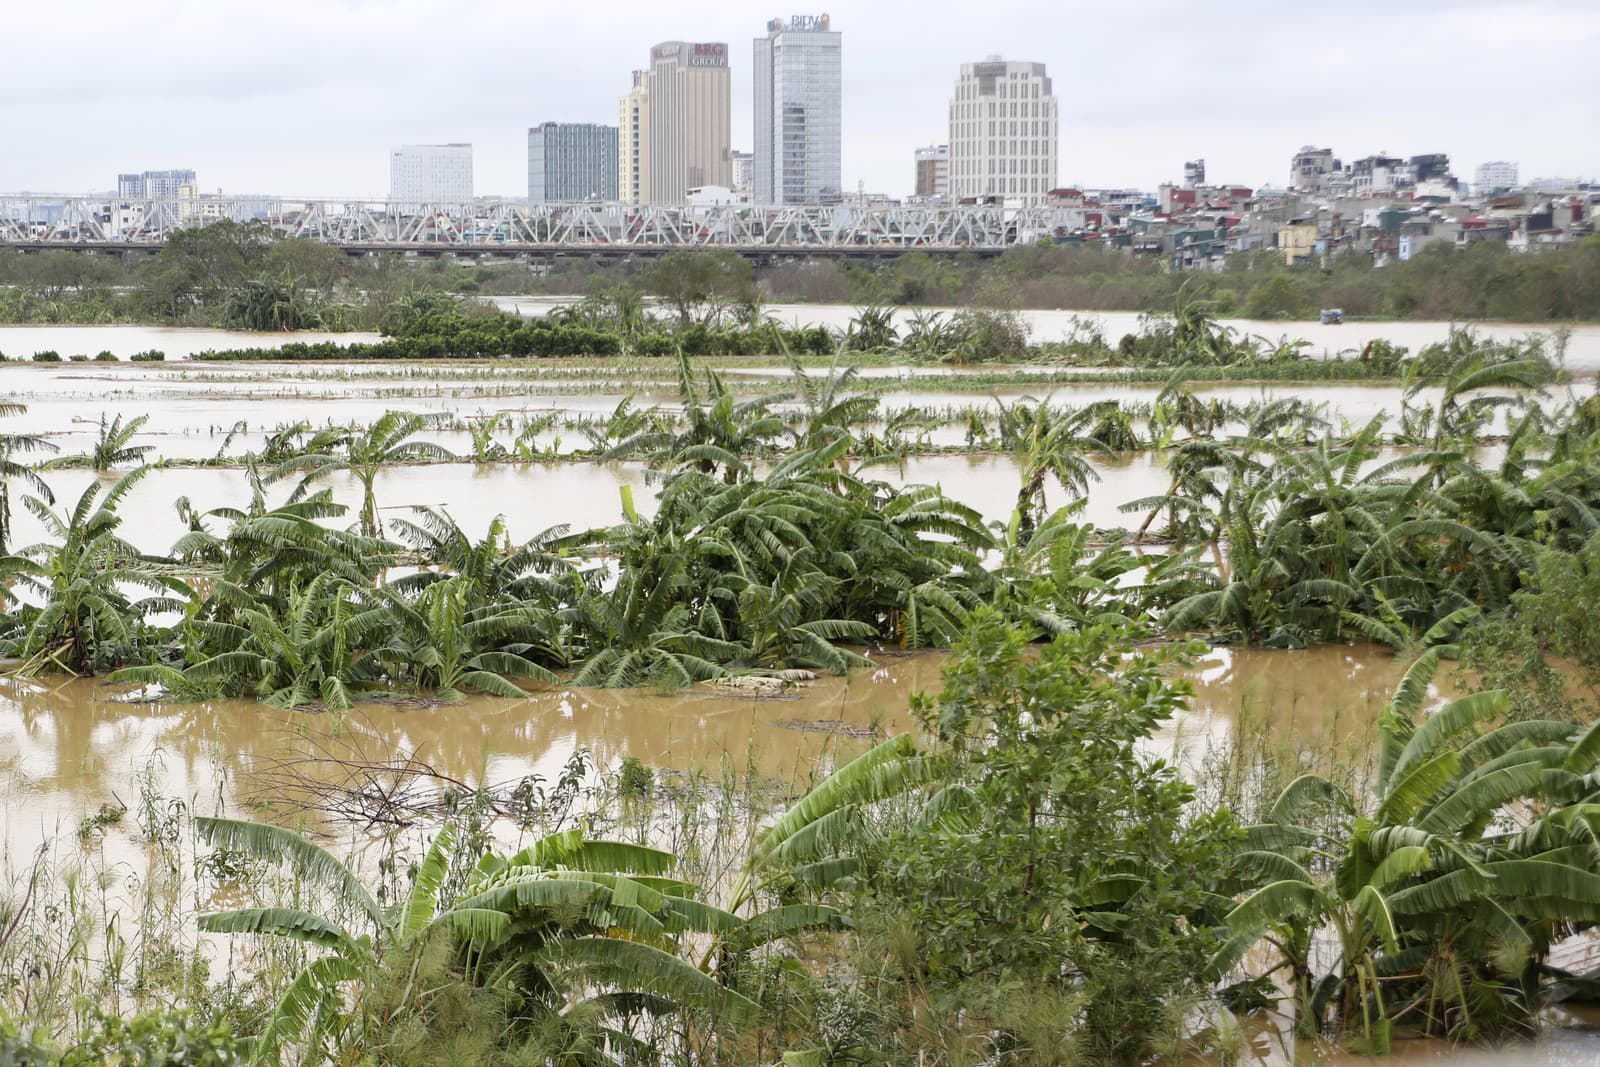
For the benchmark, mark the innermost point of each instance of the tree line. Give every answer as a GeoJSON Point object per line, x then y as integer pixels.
{"type": "Point", "coordinates": [249, 277]}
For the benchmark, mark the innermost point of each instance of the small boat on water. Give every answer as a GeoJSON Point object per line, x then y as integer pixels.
{"type": "Point", "coordinates": [1332, 316]}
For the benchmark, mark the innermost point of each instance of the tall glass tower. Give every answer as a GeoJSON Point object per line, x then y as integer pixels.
{"type": "Point", "coordinates": [799, 105]}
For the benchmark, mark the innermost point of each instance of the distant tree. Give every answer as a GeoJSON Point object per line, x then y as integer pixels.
{"type": "Point", "coordinates": [201, 264]}
{"type": "Point", "coordinates": [318, 267]}
{"type": "Point", "coordinates": [54, 274]}
{"type": "Point", "coordinates": [1279, 297]}
{"type": "Point", "coordinates": [702, 287]}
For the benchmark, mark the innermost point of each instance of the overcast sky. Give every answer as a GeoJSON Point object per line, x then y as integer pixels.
{"type": "Point", "coordinates": [307, 97]}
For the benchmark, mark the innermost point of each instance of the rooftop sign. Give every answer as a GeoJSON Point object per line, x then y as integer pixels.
{"type": "Point", "coordinates": [700, 54]}
{"type": "Point", "coordinates": [800, 23]}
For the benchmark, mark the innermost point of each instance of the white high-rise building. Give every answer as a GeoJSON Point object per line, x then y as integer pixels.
{"type": "Point", "coordinates": [1004, 123]}
{"type": "Point", "coordinates": [799, 89]}
{"type": "Point", "coordinates": [1492, 176]}
{"type": "Point", "coordinates": [431, 174]}
{"type": "Point", "coordinates": [633, 141]}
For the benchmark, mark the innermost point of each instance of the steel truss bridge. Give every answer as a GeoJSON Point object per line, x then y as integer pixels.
{"type": "Point", "coordinates": [485, 228]}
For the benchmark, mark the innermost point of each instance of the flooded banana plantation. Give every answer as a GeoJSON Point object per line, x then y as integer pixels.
{"type": "Point", "coordinates": [845, 686]}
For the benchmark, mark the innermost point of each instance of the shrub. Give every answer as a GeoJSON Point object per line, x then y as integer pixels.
{"type": "Point", "coordinates": [47, 357]}
{"type": "Point", "coordinates": [106, 357]}
{"type": "Point", "coordinates": [152, 356]}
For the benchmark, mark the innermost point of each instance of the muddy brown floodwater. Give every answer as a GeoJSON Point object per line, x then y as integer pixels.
{"type": "Point", "coordinates": [69, 745]}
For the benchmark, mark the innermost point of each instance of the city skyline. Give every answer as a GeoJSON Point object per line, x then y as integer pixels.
{"type": "Point", "coordinates": [303, 115]}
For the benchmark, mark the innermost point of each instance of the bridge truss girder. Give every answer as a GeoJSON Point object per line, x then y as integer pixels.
{"type": "Point", "coordinates": [43, 220]}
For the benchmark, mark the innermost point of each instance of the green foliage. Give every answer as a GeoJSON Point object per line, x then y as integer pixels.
{"type": "Point", "coordinates": [1442, 904]}
{"type": "Point", "coordinates": [271, 303]}
{"type": "Point", "coordinates": [564, 942]}
{"type": "Point", "coordinates": [88, 621]}
{"type": "Point", "coordinates": [153, 1039]}
{"type": "Point", "coordinates": [701, 287]}
{"type": "Point", "coordinates": [1034, 847]}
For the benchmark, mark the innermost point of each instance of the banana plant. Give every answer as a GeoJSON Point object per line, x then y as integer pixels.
{"type": "Point", "coordinates": [580, 930]}
{"type": "Point", "coordinates": [13, 444]}
{"type": "Point", "coordinates": [1444, 887]}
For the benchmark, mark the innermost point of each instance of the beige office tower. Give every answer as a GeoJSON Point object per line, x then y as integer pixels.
{"type": "Point", "coordinates": [691, 120]}
{"type": "Point", "coordinates": [633, 142]}
{"type": "Point", "coordinates": [1003, 132]}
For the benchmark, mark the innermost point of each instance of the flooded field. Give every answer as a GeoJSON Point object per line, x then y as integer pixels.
{"type": "Point", "coordinates": [1583, 345]}
{"type": "Point", "coordinates": [70, 748]}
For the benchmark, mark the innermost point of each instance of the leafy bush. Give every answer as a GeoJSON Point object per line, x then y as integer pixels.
{"type": "Point", "coordinates": [1053, 853]}
{"type": "Point", "coordinates": [152, 356]}
{"type": "Point", "coordinates": [47, 357]}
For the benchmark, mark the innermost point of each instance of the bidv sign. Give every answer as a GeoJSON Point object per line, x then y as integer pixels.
{"type": "Point", "coordinates": [804, 23]}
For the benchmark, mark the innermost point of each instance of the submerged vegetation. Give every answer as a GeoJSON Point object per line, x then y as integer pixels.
{"type": "Point", "coordinates": [1022, 880]}
{"type": "Point", "coordinates": [772, 548]}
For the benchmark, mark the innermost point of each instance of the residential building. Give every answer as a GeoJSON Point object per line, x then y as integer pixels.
{"type": "Point", "coordinates": [1419, 232]}
{"type": "Point", "coordinates": [633, 142]}
{"type": "Point", "coordinates": [744, 173]}
{"type": "Point", "coordinates": [1194, 173]}
{"type": "Point", "coordinates": [572, 161]}
{"type": "Point", "coordinates": [1379, 174]}
{"type": "Point", "coordinates": [1297, 240]}
{"type": "Point", "coordinates": [431, 174]}
{"type": "Point", "coordinates": [933, 171]}
{"type": "Point", "coordinates": [1003, 132]}
{"type": "Point", "coordinates": [157, 185]}
{"type": "Point", "coordinates": [1312, 169]}
{"type": "Point", "coordinates": [799, 106]}
{"type": "Point", "coordinates": [1433, 167]}
{"type": "Point", "coordinates": [1555, 185]}
{"type": "Point", "coordinates": [691, 119]}
{"type": "Point", "coordinates": [1493, 178]}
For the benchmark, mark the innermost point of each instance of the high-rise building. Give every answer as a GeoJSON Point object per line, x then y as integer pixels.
{"type": "Point", "coordinates": [744, 169]}
{"type": "Point", "coordinates": [1494, 177]}
{"type": "Point", "coordinates": [799, 90]}
{"type": "Point", "coordinates": [1194, 173]}
{"type": "Point", "coordinates": [571, 161]}
{"type": "Point", "coordinates": [1003, 132]}
{"type": "Point", "coordinates": [933, 171]}
{"type": "Point", "coordinates": [633, 142]}
{"type": "Point", "coordinates": [691, 119]}
{"type": "Point", "coordinates": [431, 174]}
{"type": "Point", "coordinates": [156, 185]}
